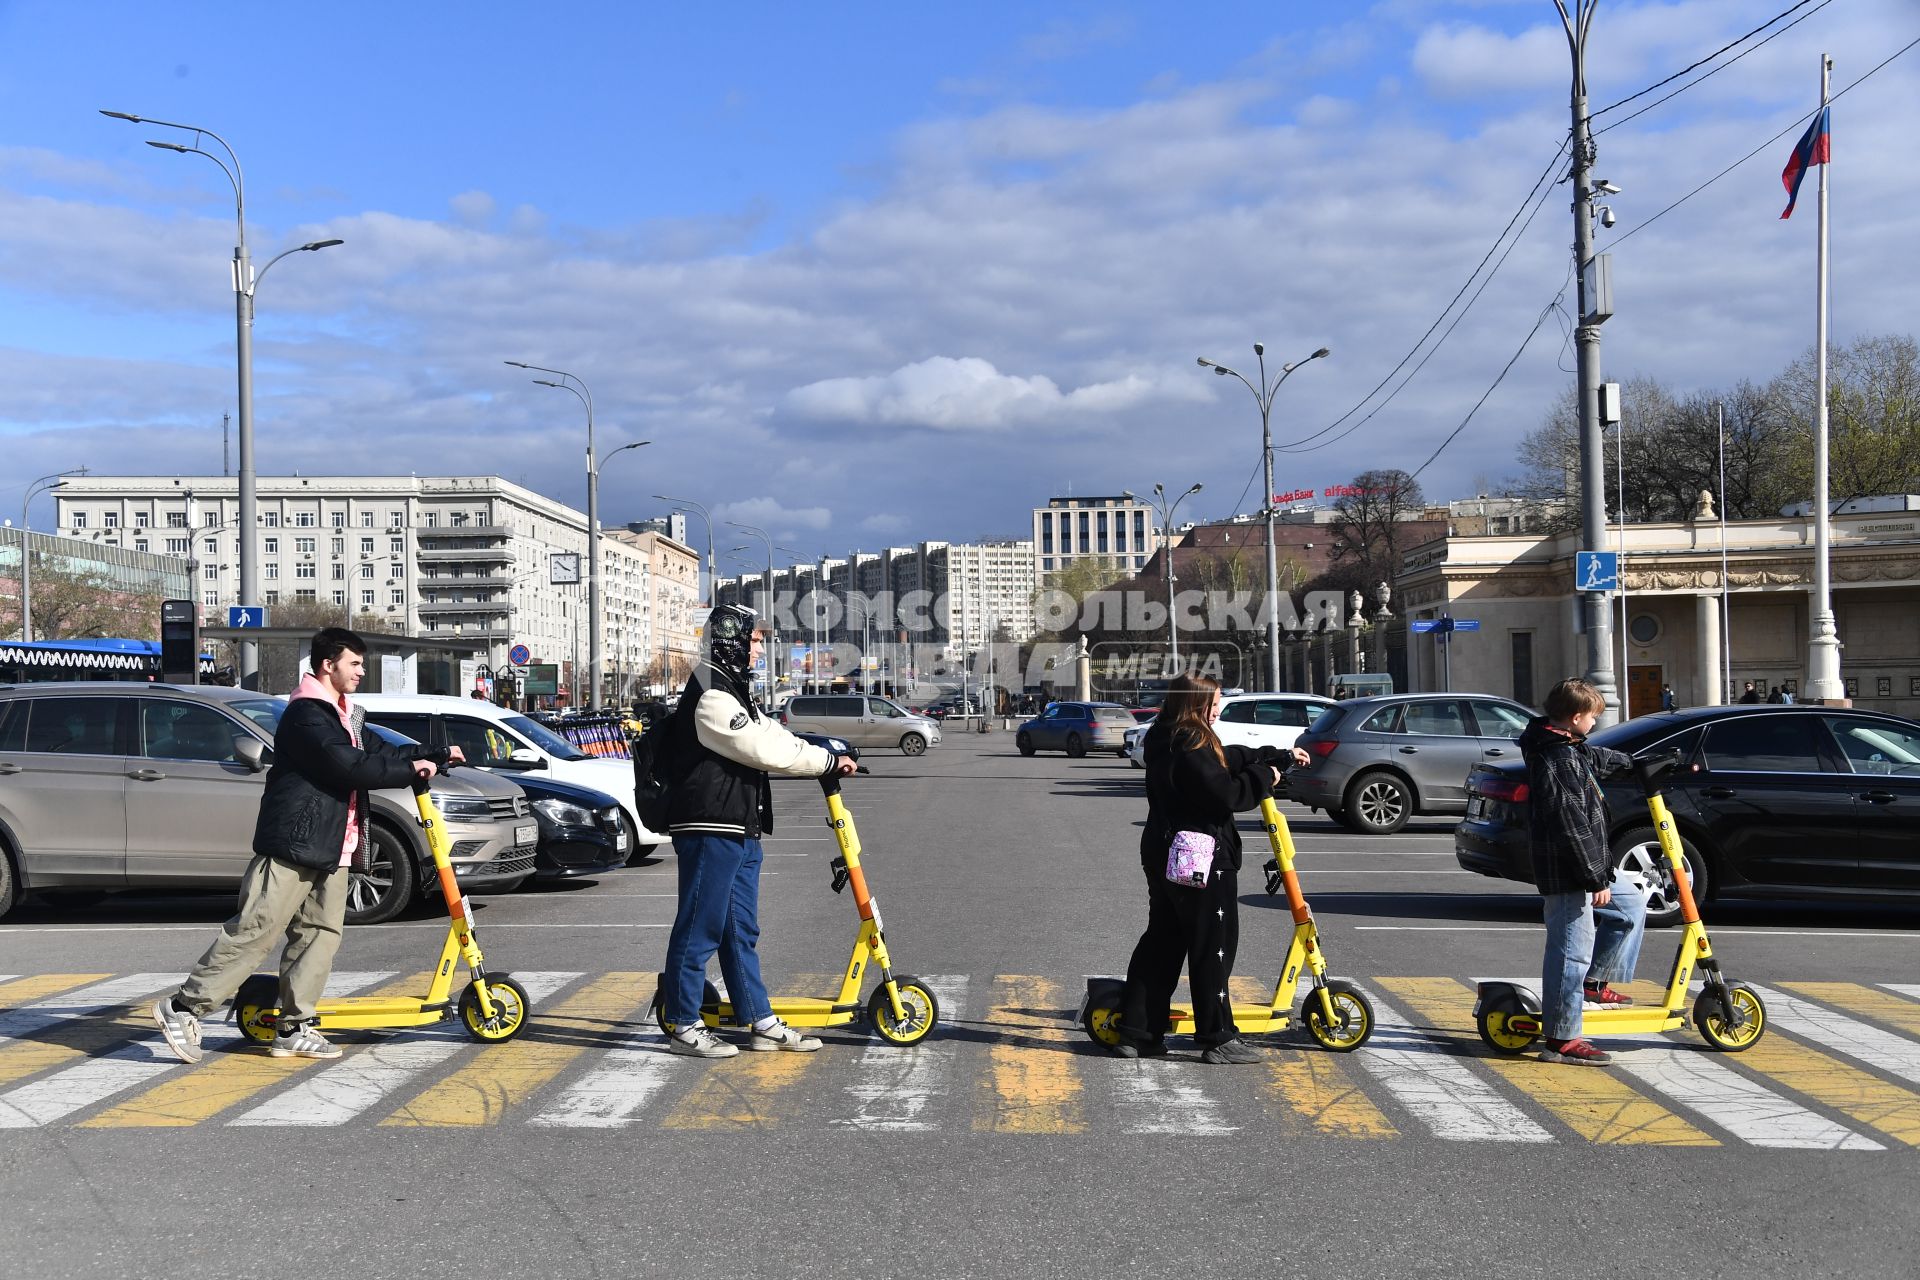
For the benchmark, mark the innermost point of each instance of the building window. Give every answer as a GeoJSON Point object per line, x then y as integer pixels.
{"type": "Point", "coordinates": [210, 545]}
{"type": "Point", "coordinates": [339, 573]}
{"type": "Point", "coordinates": [431, 519]}
{"type": "Point", "coordinates": [366, 599]}
{"type": "Point", "coordinates": [366, 571]}
{"type": "Point", "coordinates": [209, 598]}
{"type": "Point", "coordinates": [397, 546]}
{"type": "Point", "coordinates": [397, 596]}
{"type": "Point", "coordinates": [178, 546]}
{"type": "Point", "coordinates": [1084, 541]}
{"type": "Point", "coordinates": [366, 519]}
{"type": "Point", "coordinates": [271, 546]}
{"type": "Point", "coordinates": [304, 570]}
{"type": "Point", "coordinates": [303, 545]}
{"type": "Point", "coordinates": [211, 573]}
{"type": "Point", "coordinates": [1644, 629]}
{"type": "Point", "coordinates": [1046, 531]}
{"type": "Point", "coordinates": [395, 519]}
{"type": "Point", "coordinates": [1100, 524]}
{"type": "Point", "coordinates": [1139, 530]}
{"type": "Point", "coordinates": [213, 520]}
{"type": "Point", "coordinates": [273, 597]}
{"type": "Point", "coordinates": [339, 546]}
{"type": "Point", "coordinates": [340, 599]}
{"type": "Point", "coordinates": [339, 520]}
{"type": "Point", "coordinates": [306, 519]}
{"type": "Point", "coordinates": [176, 519]}
{"type": "Point", "coordinates": [273, 571]}
{"type": "Point", "coordinates": [110, 520]}
{"type": "Point", "coordinates": [140, 544]}
{"type": "Point", "coordinates": [303, 595]}
{"type": "Point", "coordinates": [366, 546]}
{"type": "Point", "coordinates": [459, 519]}
{"type": "Point", "coordinates": [141, 520]}
{"type": "Point", "coordinates": [270, 520]}
{"type": "Point", "coordinates": [1522, 643]}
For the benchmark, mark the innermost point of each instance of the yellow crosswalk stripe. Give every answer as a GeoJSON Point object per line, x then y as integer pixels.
{"type": "Point", "coordinates": [1867, 1098]}
{"type": "Point", "coordinates": [220, 1082]}
{"type": "Point", "coordinates": [1881, 1006]}
{"type": "Point", "coordinates": [750, 1090]}
{"type": "Point", "coordinates": [1033, 1083]}
{"type": "Point", "coordinates": [502, 1076]}
{"type": "Point", "coordinates": [1314, 1085]}
{"type": "Point", "coordinates": [38, 987]}
{"type": "Point", "coordinates": [1598, 1106]}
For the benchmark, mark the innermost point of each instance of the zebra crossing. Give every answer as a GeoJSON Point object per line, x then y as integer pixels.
{"type": "Point", "coordinates": [1838, 1070]}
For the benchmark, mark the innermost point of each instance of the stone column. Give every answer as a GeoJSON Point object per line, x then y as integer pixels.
{"type": "Point", "coordinates": [1709, 680]}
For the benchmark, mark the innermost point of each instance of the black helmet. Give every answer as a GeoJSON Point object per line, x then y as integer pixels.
{"type": "Point", "coordinates": [730, 639]}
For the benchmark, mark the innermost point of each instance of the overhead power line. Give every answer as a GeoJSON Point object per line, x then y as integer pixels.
{"type": "Point", "coordinates": [1704, 61]}
{"type": "Point", "coordinates": [1722, 67]}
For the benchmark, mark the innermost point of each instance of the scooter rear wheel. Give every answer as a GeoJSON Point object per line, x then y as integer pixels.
{"type": "Point", "coordinates": [255, 1006]}
{"type": "Point", "coordinates": [1498, 1032]}
{"type": "Point", "coordinates": [1353, 1011]}
{"type": "Point", "coordinates": [709, 999]}
{"type": "Point", "coordinates": [511, 1007]}
{"type": "Point", "coordinates": [922, 1008]}
{"type": "Point", "coordinates": [1730, 1030]}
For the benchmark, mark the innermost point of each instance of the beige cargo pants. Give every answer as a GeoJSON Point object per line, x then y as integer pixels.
{"type": "Point", "coordinates": [306, 906]}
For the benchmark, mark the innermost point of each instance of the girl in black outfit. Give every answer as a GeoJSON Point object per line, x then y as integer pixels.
{"type": "Point", "coordinates": [1193, 784]}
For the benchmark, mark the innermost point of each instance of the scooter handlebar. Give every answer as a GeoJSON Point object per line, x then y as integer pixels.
{"type": "Point", "coordinates": [1654, 770]}
{"type": "Point", "coordinates": [443, 766]}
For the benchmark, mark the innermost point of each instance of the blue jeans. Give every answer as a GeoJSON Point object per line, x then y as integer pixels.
{"type": "Point", "coordinates": [719, 911]}
{"type": "Point", "coordinates": [1586, 943]}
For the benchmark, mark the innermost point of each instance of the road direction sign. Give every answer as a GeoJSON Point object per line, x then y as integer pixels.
{"type": "Point", "coordinates": [246, 615]}
{"type": "Point", "coordinates": [1465, 624]}
{"type": "Point", "coordinates": [1420, 626]}
{"type": "Point", "coordinates": [1596, 571]}
{"type": "Point", "coordinates": [519, 655]}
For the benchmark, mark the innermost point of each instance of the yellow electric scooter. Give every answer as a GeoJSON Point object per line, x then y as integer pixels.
{"type": "Point", "coordinates": [1336, 1013]}
{"type": "Point", "coordinates": [902, 1010]}
{"type": "Point", "coordinates": [1730, 1017]}
{"type": "Point", "coordinates": [493, 1007]}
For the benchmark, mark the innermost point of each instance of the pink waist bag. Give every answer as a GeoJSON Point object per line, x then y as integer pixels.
{"type": "Point", "coordinates": [1190, 858]}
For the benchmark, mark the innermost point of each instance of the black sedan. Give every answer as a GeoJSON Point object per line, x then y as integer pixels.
{"type": "Point", "coordinates": [1795, 802]}
{"type": "Point", "coordinates": [581, 833]}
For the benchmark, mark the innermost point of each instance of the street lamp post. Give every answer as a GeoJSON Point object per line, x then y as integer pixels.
{"type": "Point", "coordinates": [244, 282]}
{"type": "Point", "coordinates": [1166, 544]}
{"type": "Point", "coordinates": [1263, 396]}
{"type": "Point", "coordinates": [706, 595]}
{"type": "Point", "coordinates": [773, 625]}
{"type": "Point", "coordinates": [570, 382]}
{"type": "Point", "coordinates": [45, 484]}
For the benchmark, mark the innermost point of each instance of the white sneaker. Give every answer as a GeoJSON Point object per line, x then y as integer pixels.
{"type": "Point", "coordinates": [697, 1041]}
{"type": "Point", "coordinates": [781, 1036]}
{"type": "Point", "coordinates": [303, 1041]}
{"type": "Point", "coordinates": [182, 1030]}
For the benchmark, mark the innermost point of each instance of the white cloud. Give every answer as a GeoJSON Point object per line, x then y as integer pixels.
{"type": "Point", "coordinates": [967, 394]}
{"type": "Point", "coordinates": [475, 208]}
{"type": "Point", "coordinates": [775, 516]}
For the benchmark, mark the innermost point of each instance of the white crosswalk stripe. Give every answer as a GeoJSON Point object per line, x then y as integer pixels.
{"type": "Point", "coordinates": [31, 1019]}
{"type": "Point", "coordinates": [1891, 1053]}
{"type": "Point", "coordinates": [97, 1079]}
{"type": "Point", "coordinates": [1745, 1108]}
{"type": "Point", "coordinates": [899, 1090]}
{"type": "Point", "coordinates": [1904, 988]}
{"type": "Point", "coordinates": [338, 1093]}
{"type": "Point", "coordinates": [1441, 1090]}
{"type": "Point", "coordinates": [1150, 1095]}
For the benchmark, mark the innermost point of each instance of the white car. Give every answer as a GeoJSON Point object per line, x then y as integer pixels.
{"type": "Point", "coordinates": [507, 743]}
{"type": "Point", "coordinates": [1252, 720]}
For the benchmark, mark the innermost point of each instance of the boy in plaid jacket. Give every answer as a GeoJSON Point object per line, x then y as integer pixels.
{"type": "Point", "coordinates": [1595, 915]}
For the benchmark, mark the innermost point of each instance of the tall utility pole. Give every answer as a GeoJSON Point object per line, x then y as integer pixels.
{"type": "Point", "coordinates": [1596, 304]}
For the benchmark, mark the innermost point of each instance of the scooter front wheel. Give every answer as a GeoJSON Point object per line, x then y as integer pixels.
{"type": "Point", "coordinates": [1735, 1025]}
{"type": "Point", "coordinates": [1508, 1029]}
{"type": "Point", "coordinates": [255, 1007]}
{"type": "Point", "coordinates": [511, 1007]}
{"type": "Point", "coordinates": [1353, 1017]}
{"type": "Point", "coordinates": [917, 1001]}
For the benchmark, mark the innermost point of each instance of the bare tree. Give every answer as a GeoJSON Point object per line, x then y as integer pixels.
{"type": "Point", "coordinates": [1368, 533]}
{"type": "Point", "coordinates": [76, 604]}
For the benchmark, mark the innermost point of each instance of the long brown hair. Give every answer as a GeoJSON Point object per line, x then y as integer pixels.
{"type": "Point", "coordinates": [1188, 713]}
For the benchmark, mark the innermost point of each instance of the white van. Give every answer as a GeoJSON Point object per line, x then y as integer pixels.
{"type": "Point", "coordinates": [506, 742]}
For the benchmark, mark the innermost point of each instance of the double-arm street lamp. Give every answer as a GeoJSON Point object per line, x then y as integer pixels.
{"type": "Point", "coordinates": [244, 281]}
{"type": "Point", "coordinates": [1263, 396]}
{"type": "Point", "coordinates": [1166, 541]}
{"type": "Point", "coordinates": [44, 484]}
{"type": "Point", "coordinates": [773, 627]}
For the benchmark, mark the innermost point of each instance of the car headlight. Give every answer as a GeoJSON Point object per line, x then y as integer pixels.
{"type": "Point", "coordinates": [461, 808]}
{"type": "Point", "coordinates": [563, 812]}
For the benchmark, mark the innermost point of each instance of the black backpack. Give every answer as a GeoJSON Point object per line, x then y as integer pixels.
{"type": "Point", "coordinates": [653, 777]}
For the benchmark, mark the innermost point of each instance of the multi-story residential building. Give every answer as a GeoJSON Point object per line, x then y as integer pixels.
{"type": "Point", "coordinates": [1118, 530]}
{"type": "Point", "coordinates": [672, 570]}
{"type": "Point", "coordinates": [471, 556]}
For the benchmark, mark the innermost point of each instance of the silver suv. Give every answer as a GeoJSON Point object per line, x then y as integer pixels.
{"type": "Point", "coordinates": [141, 786]}
{"type": "Point", "coordinates": [1378, 761]}
{"type": "Point", "coordinates": [863, 719]}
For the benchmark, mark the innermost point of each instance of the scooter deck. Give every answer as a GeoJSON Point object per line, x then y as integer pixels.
{"type": "Point", "coordinates": [1253, 1019]}
{"type": "Point", "coordinates": [1620, 1022]}
{"type": "Point", "coordinates": [795, 1011]}
{"type": "Point", "coordinates": [368, 1012]}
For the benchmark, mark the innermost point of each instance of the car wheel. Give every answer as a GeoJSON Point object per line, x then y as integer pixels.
{"type": "Point", "coordinates": [913, 744]}
{"type": "Point", "coordinates": [1075, 747]}
{"type": "Point", "coordinates": [9, 883]}
{"type": "Point", "coordinates": [385, 887]}
{"type": "Point", "coordinates": [1378, 803]}
{"type": "Point", "coordinates": [1638, 850]}
{"type": "Point", "coordinates": [1025, 744]}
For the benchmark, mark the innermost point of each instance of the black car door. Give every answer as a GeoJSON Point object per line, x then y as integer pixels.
{"type": "Point", "coordinates": [1776, 801]}
{"type": "Point", "coordinates": [1885, 758]}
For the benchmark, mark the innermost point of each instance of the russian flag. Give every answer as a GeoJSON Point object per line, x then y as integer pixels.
{"type": "Point", "coordinates": [1815, 147]}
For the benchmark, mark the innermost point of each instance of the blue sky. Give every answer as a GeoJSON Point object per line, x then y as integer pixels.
{"type": "Point", "coordinates": [876, 273]}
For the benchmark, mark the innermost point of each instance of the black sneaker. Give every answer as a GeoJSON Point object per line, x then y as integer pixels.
{"type": "Point", "coordinates": [1231, 1053]}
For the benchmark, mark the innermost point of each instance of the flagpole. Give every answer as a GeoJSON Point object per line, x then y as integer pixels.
{"type": "Point", "coordinates": [1823, 649]}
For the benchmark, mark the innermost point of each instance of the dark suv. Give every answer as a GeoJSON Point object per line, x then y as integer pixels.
{"type": "Point", "coordinates": [1770, 802]}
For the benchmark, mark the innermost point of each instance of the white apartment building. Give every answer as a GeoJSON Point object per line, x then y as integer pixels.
{"type": "Point", "coordinates": [472, 556]}
{"type": "Point", "coordinates": [1120, 531]}
{"type": "Point", "coordinates": [980, 588]}
{"type": "Point", "coordinates": [672, 568]}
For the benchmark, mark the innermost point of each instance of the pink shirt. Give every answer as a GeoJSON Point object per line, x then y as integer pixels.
{"type": "Point", "coordinates": [312, 686]}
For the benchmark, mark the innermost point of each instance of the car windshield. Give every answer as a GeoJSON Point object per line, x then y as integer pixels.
{"type": "Point", "coordinates": [265, 713]}
{"type": "Point", "coordinates": [544, 738]}
{"type": "Point", "coordinates": [1634, 736]}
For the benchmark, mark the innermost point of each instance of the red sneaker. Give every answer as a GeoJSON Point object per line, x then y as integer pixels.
{"type": "Point", "coordinates": [1598, 995]}
{"type": "Point", "coordinates": [1576, 1051]}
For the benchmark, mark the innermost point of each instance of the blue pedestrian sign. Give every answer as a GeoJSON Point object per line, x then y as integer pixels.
{"type": "Point", "coordinates": [1596, 571]}
{"type": "Point", "coordinates": [246, 615]}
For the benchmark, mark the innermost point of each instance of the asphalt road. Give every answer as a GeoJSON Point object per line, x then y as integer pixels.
{"type": "Point", "coordinates": [1004, 1145]}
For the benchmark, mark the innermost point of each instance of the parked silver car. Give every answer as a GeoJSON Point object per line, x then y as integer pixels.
{"type": "Point", "coordinates": [110, 785]}
{"type": "Point", "coordinates": [863, 719]}
{"type": "Point", "coordinates": [1378, 761]}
